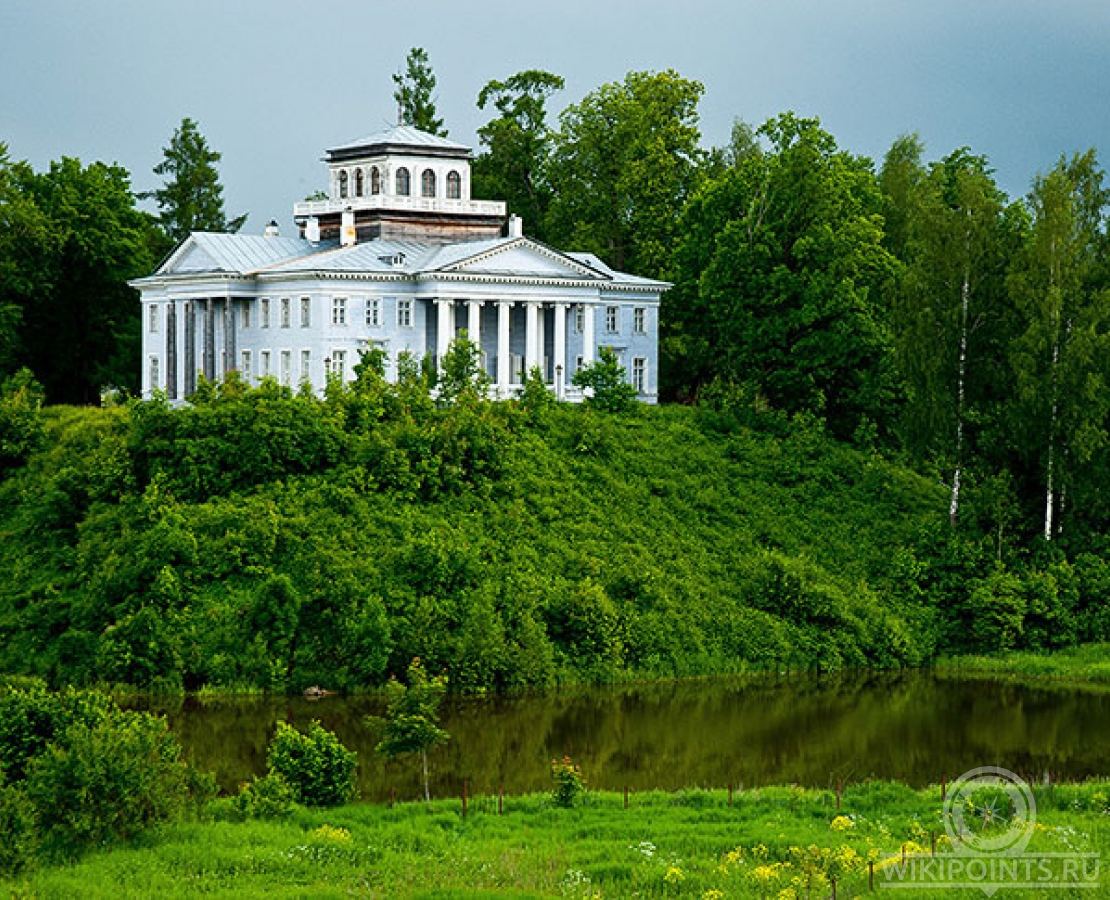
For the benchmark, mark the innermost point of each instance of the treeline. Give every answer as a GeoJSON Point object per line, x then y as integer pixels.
{"type": "Point", "coordinates": [269, 540]}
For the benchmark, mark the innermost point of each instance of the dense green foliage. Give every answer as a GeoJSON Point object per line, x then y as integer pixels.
{"type": "Point", "coordinates": [319, 769]}
{"type": "Point", "coordinates": [225, 543]}
{"type": "Point", "coordinates": [414, 91]}
{"type": "Point", "coordinates": [693, 843]}
{"type": "Point", "coordinates": [77, 772]}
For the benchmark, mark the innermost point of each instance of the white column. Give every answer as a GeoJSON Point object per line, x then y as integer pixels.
{"type": "Point", "coordinates": [588, 347]}
{"type": "Point", "coordinates": [474, 322]}
{"type": "Point", "coordinates": [559, 373]}
{"type": "Point", "coordinates": [531, 331]}
{"type": "Point", "coordinates": [445, 327]}
{"type": "Point", "coordinates": [504, 307]}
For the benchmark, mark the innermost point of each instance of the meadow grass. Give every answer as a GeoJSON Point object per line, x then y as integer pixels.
{"type": "Point", "coordinates": [1088, 662]}
{"type": "Point", "coordinates": [773, 842]}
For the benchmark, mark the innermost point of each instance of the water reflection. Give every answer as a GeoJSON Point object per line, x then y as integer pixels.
{"type": "Point", "coordinates": [813, 730]}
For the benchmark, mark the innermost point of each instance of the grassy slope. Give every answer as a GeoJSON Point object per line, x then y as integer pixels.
{"type": "Point", "coordinates": [672, 519]}
{"type": "Point", "coordinates": [688, 844]}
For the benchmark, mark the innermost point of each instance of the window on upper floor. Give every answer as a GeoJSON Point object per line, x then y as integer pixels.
{"type": "Point", "coordinates": [375, 180]}
{"type": "Point", "coordinates": [454, 186]}
{"type": "Point", "coordinates": [245, 315]}
{"type": "Point", "coordinates": [306, 312]}
{"type": "Point", "coordinates": [373, 312]}
{"type": "Point", "coordinates": [404, 314]}
{"type": "Point", "coordinates": [153, 318]}
{"type": "Point", "coordinates": [286, 312]}
{"type": "Point", "coordinates": [264, 313]}
{"type": "Point", "coordinates": [358, 182]}
{"type": "Point", "coordinates": [402, 182]}
{"type": "Point", "coordinates": [612, 319]}
{"type": "Point", "coordinates": [639, 320]}
{"type": "Point", "coordinates": [339, 311]}
{"type": "Point", "coordinates": [580, 318]}
{"type": "Point", "coordinates": [428, 183]}
{"type": "Point", "coordinates": [343, 183]}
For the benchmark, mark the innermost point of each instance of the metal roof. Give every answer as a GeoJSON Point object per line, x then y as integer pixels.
{"type": "Point", "coordinates": [400, 137]}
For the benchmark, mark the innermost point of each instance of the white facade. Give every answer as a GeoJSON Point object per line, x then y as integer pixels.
{"type": "Point", "coordinates": [295, 309]}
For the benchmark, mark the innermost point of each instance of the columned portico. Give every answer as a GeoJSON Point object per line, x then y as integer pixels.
{"type": "Point", "coordinates": [504, 369]}
{"type": "Point", "coordinates": [531, 337]}
{"type": "Point", "coordinates": [445, 327]}
{"type": "Point", "coordinates": [560, 344]}
{"type": "Point", "coordinates": [587, 334]}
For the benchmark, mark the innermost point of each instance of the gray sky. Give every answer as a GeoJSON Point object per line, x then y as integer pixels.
{"type": "Point", "coordinates": [273, 83]}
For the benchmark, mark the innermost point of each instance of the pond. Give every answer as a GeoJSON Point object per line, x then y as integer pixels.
{"type": "Point", "coordinates": [814, 730]}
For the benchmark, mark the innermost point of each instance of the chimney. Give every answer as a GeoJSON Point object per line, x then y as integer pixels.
{"type": "Point", "coordinates": [271, 229]}
{"type": "Point", "coordinates": [348, 237]}
{"type": "Point", "coordinates": [516, 226]}
{"type": "Point", "coordinates": [312, 230]}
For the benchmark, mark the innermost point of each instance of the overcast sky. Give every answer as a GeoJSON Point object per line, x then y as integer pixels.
{"type": "Point", "coordinates": [273, 83]}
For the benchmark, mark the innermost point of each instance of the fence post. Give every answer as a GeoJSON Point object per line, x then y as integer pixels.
{"type": "Point", "coordinates": [943, 788]}
{"type": "Point", "coordinates": [871, 875]}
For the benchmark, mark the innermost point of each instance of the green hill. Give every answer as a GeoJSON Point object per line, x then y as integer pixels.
{"type": "Point", "coordinates": [261, 539]}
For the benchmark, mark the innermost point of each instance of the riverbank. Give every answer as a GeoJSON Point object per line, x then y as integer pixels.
{"type": "Point", "coordinates": [691, 843]}
{"type": "Point", "coordinates": [1088, 662]}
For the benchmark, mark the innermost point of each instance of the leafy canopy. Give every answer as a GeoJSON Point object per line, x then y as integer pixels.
{"type": "Point", "coordinates": [414, 92]}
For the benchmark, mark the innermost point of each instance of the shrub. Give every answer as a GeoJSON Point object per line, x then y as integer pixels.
{"type": "Point", "coordinates": [269, 797]}
{"type": "Point", "coordinates": [319, 769]}
{"type": "Point", "coordinates": [569, 781]}
{"type": "Point", "coordinates": [606, 378]}
{"type": "Point", "coordinates": [17, 825]}
{"type": "Point", "coordinates": [107, 781]}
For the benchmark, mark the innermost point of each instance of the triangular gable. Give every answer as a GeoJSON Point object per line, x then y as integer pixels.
{"type": "Point", "coordinates": [190, 256]}
{"type": "Point", "coordinates": [523, 258]}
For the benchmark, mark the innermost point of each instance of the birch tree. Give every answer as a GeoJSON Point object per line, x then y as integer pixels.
{"type": "Point", "coordinates": [1061, 358]}
{"type": "Point", "coordinates": [948, 311]}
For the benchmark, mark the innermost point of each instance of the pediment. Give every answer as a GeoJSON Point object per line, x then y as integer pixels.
{"type": "Point", "coordinates": [524, 259]}
{"type": "Point", "coordinates": [189, 257]}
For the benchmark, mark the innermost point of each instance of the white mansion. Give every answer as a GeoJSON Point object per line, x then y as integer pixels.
{"type": "Point", "coordinates": [399, 257]}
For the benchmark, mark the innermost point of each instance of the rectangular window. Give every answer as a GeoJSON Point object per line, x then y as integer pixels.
{"type": "Point", "coordinates": [579, 318]}
{"type": "Point", "coordinates": [286, 367]}
{"type": "Point", "coordinates": [264, 364]}
{"type": "Point", "coordinates": [404, 314]}
{"type": "Point", "coordinates": [306, 312]}
{"type": "Point", "coordinates": [306, 366]}
{"type": "Point", "coordinates": [639, 374]}
{"type": "Point", "coordinates": [264, 313]}
{"type": "Point", "coordinates": [245, 365]}
{"type": "Point", "coordinates": [339, 364]}
{"type": "Point", "coordinates": [338, 310]}
{"type": "Point", "coordinates": [612, 319]}
{"type": "Point", "coordinates": [153, 318]}
{"type": "Point", "coordinates": [286, 312]}
{"type": "Point", "coordinates": [639, 320]}
{"type": "Point", "coordinates": [578, 363]}
{"type": "Point", "coordinates": [245, 315]}
{"type": "Point", "coordinates": [155, 373]}
{"type": "Point", "coordinates": [373, 312]}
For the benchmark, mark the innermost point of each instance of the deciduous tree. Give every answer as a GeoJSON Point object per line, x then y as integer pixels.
{"type": "Point", "coordinates": [414, 92]}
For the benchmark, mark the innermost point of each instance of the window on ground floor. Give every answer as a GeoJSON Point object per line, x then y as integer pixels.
{"type": "Point", "coordinates": [639, 374]}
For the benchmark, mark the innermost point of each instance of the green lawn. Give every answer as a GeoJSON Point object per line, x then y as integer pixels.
{"type": "Point", "coordinates": [773, 842]}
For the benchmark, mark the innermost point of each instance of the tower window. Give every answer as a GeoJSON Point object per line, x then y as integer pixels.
{"type": "Point", "coordinates": [402, 182]}
{"type": "Point", "coordinates": [454, 186]}
{"type": "Point", "coordinates": [343, 184]}
{"type": "Point", "coordinates": [428, 183]}
{"type": "Point", "coordinates": [358, 182]}
{"type": "Point", "coordinates": [375, 181]}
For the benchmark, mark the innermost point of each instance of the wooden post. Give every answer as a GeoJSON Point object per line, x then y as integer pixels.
{"type": "Point", "coordinates": [933, 836]}
{"type": "Point", "coordinates": [903, 855]}
{"type": "Point", "coordinates": [500, 796]}
{"type": "Point", "coordinates": [838, 785]}
{"type": "Point", "coordinates": [871, 874]}
{"type": "Point", "coordinates": [832, 881]}
{"type": "Point", "coordinates": [943, 788]}
{"type": "Point", "coordinates": [464, 799]}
